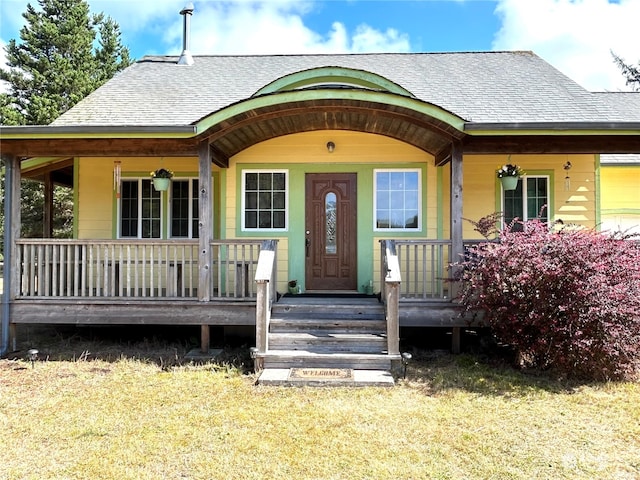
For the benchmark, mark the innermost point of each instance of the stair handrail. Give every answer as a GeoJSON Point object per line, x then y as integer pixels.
{"type": "Point", "coordinates": [390, 294]}
{"type": "Point", "coordinates": [265, 295]}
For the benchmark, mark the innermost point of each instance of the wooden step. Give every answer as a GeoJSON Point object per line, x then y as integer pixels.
{"type": "Point", "coordinates": [329, 309]}
{"type": "Point", "coordinates": [298, 358]}
{"type": "Point", "coordinates": [360, 378]}
{"type": "Point", "coordinates": [328, 314]}
{"type": "Point", "coordinates": [327, 333]}
{"type": "Point", "coordinates": [324, 342]}
{"type": "Point", "coordinates": [335, 325]}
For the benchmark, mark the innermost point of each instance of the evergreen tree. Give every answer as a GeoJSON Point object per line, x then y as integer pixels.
{"type": "Point", "coordinates": [55, 64]}
{"type": "Point", "coordinates": [64, 53]}
{"type": "Point", "coordinates": [630, 71]}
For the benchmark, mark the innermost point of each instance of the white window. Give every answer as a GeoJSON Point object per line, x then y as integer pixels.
{"type": "Point", "coordinates": [527, 200]}
{"type": "Point", "coordinates": [183, 208]}
{"type": "Point", "coordinates": [264, 200]}
{"type": "Point", "coordinates": [397, 196]}
{"type": "Point", "coordinates": [140, 210]}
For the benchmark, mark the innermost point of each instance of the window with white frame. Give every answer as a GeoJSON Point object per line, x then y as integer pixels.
{"type": "Point", "coordinates": [527, 200]}
{"type": "Point", "coordinates": [183, 208]}
{"type": "Point", "coordinates": [397, 194]}
{"type": "Point", "coordinates": [264, 199]}
{"type": "Point", "coordinates": [140, 210]}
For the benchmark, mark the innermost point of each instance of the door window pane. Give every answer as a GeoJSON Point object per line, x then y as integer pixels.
{"type": "Point", "coordinates": [331, 219]}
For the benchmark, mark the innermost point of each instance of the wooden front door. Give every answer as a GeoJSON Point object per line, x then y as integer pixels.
{"type": "Point", "coordinates": [331, 241]}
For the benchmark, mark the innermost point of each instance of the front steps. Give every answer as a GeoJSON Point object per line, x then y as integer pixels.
{"type": "Point", "coordinates": [332, 332]}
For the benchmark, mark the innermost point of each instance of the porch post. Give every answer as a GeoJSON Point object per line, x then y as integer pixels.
{"type": "Point", "coordinates": [48, 207]}
{"type": "Point", "coordinates": [457, 247]}
{"type": "Point", "coordinates": [11, 234]}
{"type": "Point", "coordinates": [205, 232]}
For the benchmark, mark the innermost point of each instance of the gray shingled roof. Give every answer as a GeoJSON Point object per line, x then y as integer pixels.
{"type": "Point", "coordinates": [503, 87]}
{"type": "Point", "coordinates": [627, 104]}
{"type": "Point", "coordinates": [620, 159]}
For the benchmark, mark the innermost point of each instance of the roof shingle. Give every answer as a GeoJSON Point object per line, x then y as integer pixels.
{"type": "Point", "coordinates": [481, 87]}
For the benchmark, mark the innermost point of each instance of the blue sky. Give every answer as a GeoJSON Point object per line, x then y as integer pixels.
{"type": "Point", "coordinates": [576, 36]}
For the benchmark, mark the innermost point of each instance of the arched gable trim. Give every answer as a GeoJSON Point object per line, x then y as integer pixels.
{"type": "Point", "coordinates": [301, 96]}
{"type": "Point", "coordinates": [332, 77]}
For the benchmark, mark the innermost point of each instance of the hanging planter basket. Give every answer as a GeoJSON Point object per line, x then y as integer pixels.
{"type": "Point", "coordinates": [509, 182]}
{"type": "Point", "coordinates": [161, 184]}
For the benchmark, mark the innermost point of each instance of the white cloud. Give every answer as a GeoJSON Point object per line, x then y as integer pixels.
{"type": "Point", "coordinates": [576, 36]}
{"type": "Point", "coordinates": [235, 27]}
{"type": "Point", "coordinates": [275, 27]}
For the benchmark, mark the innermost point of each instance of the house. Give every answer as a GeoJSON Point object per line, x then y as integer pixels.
{"type": "Point", "coordinates": [347, 173]}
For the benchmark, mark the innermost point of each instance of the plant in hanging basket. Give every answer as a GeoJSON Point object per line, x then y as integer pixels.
{"type": "Point", "coordinates": [162, 173]}
{"type": "Point", "coordinates": [161, 179]}
{"type": "Point", "coordinates": [509, 170]}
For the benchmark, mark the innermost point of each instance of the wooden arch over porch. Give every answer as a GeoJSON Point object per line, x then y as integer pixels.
{"type": "Point", "coordinates": [423, 125]}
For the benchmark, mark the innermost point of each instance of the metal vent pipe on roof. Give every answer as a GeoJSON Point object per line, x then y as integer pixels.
{"type": "Point", "coordinates": [185, 56]}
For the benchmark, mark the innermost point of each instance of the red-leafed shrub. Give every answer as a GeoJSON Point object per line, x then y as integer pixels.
{"type": "Point", "coordinates": [566, 299]}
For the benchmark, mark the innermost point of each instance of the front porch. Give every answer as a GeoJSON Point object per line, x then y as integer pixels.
{"type": "Point", "coordinates": [111, 282]}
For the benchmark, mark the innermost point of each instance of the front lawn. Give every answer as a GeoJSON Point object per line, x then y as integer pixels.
{"type": "Point", "coordinates": [454, 417]}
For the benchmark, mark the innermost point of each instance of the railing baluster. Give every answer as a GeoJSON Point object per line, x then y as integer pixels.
{"type": "Point", "coordinates": [144, 272]}
{"type": "Point", "coordinates": [91, 260]}
{"type": "Point", "coordinates": [152, 273]}
{"type": "Point", "coordinates": [79, 282]}
{"type": "Point", "coordinates": [57, 271]}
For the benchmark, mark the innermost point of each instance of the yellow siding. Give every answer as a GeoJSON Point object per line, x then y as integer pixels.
{"type": "Point", "coordinates": [96, 193]}
{"type": "Point", "coordinates": [620, 197]}
{"type": "Point", "coordinates": [310, 148]}
{"type": "Point", "coordinates": [620, 187]}
{"type": "Point", "coordinates": [307, 151]}
{"type": "Point", "coordinates": [95, 198]}
{"type": "Point", "coordinates": [575, 206]}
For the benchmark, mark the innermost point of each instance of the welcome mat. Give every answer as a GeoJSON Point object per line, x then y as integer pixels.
{"type": "Point", "coordinates": [321, 374]}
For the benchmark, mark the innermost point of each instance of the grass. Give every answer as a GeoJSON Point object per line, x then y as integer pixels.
{"type": "Point", "coordinates": [97, 415]}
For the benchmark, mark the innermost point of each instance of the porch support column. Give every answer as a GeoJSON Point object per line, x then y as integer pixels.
{"type": "Point", "coordinates": [457, 247]}
{"type": "Point", "coordinates": [11, 234]}
{"type": "Point", "coordinates": [48, 207]}
{"type": "Point", "coordinates": [205, 231]}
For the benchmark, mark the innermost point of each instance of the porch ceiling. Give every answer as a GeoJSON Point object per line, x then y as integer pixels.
{"type": "Point", "coordinates": [247, 128]}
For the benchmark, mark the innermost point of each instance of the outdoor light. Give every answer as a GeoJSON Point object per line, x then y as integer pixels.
{"type": "Point", "coordinates": [32, 355]}
{"type": "Point", "coordinates": [406, 357]}
{"type": "Point", "coordinates": [253, 352]}
{"type": "Point", "coordinates": [331, 147]}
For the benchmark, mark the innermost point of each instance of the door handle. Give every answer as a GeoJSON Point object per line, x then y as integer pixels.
{"type": "Point", "coordinates": [307, 244]}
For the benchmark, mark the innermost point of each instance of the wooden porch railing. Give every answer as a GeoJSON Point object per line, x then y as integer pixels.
{"type": "Point", "coordinates": [423, 266]}
{"type": "Point", "coordinates": [267, 294]}
{"type": "Point", "coordinates": [391, 281]}
{"type": "Point", "coordinates": [53, 268]}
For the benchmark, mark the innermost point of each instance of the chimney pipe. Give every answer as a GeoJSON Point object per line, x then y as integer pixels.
{"type": "Point", "coordinates": [185, 56]}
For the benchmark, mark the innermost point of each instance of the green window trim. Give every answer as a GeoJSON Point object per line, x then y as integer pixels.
{"type": "Point", "coordinates": [264, 200]}
{"type": "Point", "coordinates": [530, 207]}
{"type": "Point", "coordinates": [397, 200]}
{"type": "Point", "coordinates": [165, 214]}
